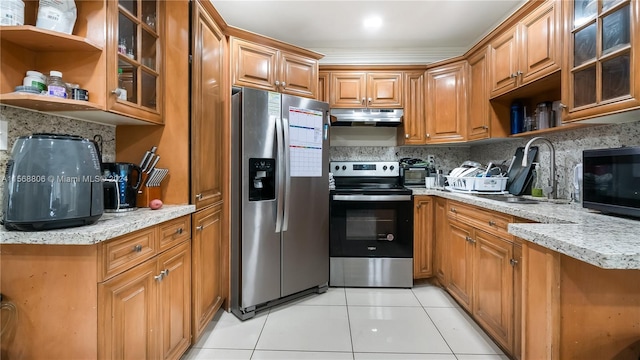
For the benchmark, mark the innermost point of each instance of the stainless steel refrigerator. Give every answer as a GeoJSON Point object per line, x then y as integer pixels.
{"type": "Point", "coordinates": [279, 199]}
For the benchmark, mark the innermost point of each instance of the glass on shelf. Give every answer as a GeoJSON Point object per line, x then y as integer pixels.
{"type": "Point", "coordinates": [149, 13]}
{"type": "Point", "coordinates": [584, 45]}
{"type": "Point", "coordinates": [615, 77]}
{"type": "Point", "coordinates": [148, 90]}
{"type": "Point", "coordinates": [584, 87]}
{"type": "Point", "coordinates": [130, 5]}
{"type": "Point", "coordinates": [616, 30]}
{"type": "Point", "coordinates": [583, 11]}
{"type": "Point", "coordinates": [149, 50]}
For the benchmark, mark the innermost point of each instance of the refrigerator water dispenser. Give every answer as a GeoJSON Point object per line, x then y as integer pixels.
{"type": "Point", "coordinates": [262, 173]}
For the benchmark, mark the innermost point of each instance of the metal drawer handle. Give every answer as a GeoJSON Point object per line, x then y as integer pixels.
{"type": "Point", "coordinates": [179, 231]}
{"type": "Point", "coordinates": [137, 248]}
{"type": "Point", "coordinates": [198, 196]}
{"type": "Point", "coordinates": [469, 239]}
{"type": "Point", "coordinates": [492, 223]}
{"type": "Point", "coordinates": [453, 210]}
{"type": "Point", "coordinates": [164, 272]}
{"type": "Point", "coordinates": [199, 228]}
{"type": "Point", "coordinates": [513, 262]}
{"type": "Point", "coordinates": [159, 277]}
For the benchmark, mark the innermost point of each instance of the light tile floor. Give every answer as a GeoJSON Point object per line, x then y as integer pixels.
{"type": "Point", "coordinates": [352, 324]}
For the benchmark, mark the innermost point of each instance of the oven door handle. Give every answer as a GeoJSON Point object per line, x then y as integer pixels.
{"type": "Point", "coordinates": [372, 197]}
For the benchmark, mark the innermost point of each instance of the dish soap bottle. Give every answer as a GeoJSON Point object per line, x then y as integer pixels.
{"type": "Point", "coordinates": [536, 186]}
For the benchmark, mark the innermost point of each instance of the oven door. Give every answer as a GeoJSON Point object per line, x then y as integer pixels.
{"type": "Point", "coordinates": [371, 226]}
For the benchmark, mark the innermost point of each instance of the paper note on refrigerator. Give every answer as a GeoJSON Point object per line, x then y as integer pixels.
{"type": "Point", "coordinates": [305, 142]}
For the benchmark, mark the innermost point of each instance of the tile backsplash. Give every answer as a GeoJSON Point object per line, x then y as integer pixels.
{"type": "Point", "coordinates": [24, 122]}
{"type": "Point", "coordinates": [568, 147]}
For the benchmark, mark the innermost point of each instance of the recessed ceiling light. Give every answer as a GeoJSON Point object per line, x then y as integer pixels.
{"type": "Point", "coordinates": [372, 22]}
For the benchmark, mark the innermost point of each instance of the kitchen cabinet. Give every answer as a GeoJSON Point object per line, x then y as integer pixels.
{"type": "Point", "coordinates": [440, 250]}
{"type": "Point", "coordinates": [423, 237]}
{"type": "Point", "coordinates": [528, 51]}
{"type": "Point", "coordinates": [413, 131]}
{"type": "Point", "coordinates": [323, 86]}
{"type": "Point", "coordinates": [145, 310]}
{"type": "Point", "coordinates": [479, 118]}
{"type": "Point", "coordinates": [208, 262]}
{"type": "Point", "coordinates": [131, 296]}
{"type": "Point", "coordinates": [89, 57]}
{"type": "Point", "coordinates": [269, 68]}
{"type": "Point", "coordinates": [446, 103]}
{"type": "Point", "coordinates": [208, 124]}
{"type": "Point", "coordinates": [366, 89]}
{"type": "Point", "coordinates": [599, 76]}
{"type": "Point", "coordinates": [481, 270]}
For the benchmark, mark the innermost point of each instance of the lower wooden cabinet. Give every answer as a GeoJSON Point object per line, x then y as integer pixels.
{"type": "Point", "coordinates": [207, 271]}
{"type": "Point", "coordinates": [422, 237]}
{"type": "Point", "coordinates": [460, 259]}
{"type": "Point", "coordinates": [440, 240]}
{"type": "Point", "coordinates": [145, 310]}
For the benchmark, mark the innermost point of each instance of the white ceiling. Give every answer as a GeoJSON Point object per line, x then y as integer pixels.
{"type": "Point", "coordinates": [412, 32]}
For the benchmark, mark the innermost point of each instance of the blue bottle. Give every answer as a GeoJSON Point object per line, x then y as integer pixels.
{"type": "Point", "coordinates": [517, 117]}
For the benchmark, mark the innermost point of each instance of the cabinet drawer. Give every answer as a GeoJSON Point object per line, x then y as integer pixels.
{"type": "Point", "coordinates": [490, 221]}
{"type": "Point", "coordinates": [125, 252]}
{"type": "Point", "coordinates": [174, 232]}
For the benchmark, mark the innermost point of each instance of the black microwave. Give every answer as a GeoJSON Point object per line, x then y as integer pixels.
{"type": "Point", "coordinates": [611, 180]}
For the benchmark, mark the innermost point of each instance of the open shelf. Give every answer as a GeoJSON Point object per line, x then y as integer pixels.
{"type": "Point", "coordinates": [554, 129]}
{"type": "Point", "coordinates": [45, 103]}
{"type": "Point", "coordinates": [33, 38]}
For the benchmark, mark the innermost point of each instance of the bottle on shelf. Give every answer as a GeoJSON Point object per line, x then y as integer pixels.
{"type": "Point", "coordinates": [122, 47]}
{"type": "Point", "coordinates": [517, 117]}
{"type": "Point", "coordinates": [55, 86]}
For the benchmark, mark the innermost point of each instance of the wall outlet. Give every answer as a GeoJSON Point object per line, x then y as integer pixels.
{"type": "Point", "coordinates": [4, 135]}
{"type": "Point", "coordinates": [431, 159]}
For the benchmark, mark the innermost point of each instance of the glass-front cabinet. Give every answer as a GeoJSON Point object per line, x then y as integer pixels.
{"type": "Point", "coordinates": [134, 66]}
{"type": "Point", "coordinates": [599, 74]}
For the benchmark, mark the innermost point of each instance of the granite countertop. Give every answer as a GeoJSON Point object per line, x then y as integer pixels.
{"type": "Point", "coordinates": [605, 241]}
{"type": "Point", "coordinates": [109, 226]}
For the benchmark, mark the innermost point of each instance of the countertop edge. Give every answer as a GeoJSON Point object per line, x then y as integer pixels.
{"type": "Point", "coordinates": [568, 230]}
{"type": "Point", "coordinates": [109, 226]}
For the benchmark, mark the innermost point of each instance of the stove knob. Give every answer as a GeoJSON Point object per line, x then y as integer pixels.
{"type": "Point", "coordinates": [384, 167]}
{"type": "Point", "coordinates": [391, 168]}
{"type": "Point", "coordinates": [337, 167]}
{"type": "Point", "coordinates": [344, 167]}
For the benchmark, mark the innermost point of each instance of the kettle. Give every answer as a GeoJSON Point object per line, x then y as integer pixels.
{"type": "Point", "coordinates": [53, 181]}
{"type": "Point", "coordinates": [121, 183]}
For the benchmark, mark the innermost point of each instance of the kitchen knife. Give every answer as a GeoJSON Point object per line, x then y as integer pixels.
{"type": "Point", "coordinates": [145, 159]}
{"type": "Point", "coordinates": [153, 164]}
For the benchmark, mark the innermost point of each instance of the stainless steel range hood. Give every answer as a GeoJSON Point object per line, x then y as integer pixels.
{"type": "Point", "coordinates": [366, 117]}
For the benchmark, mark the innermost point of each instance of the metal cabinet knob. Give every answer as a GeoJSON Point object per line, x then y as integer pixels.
{"type": "Point", "coordinates": [158, 277]}
{"type": "Point", "coordinates": [137, 248]}
{"type": "Point", "coordinates": [284, 84]}
{"type": "Point", "coordinates": [370, 100]}
{"type": "Point", "coordinates": [485, 127]}
{"type": "Point", "coordinates": [179, 231]}
{"type": "Point", "coordinates": [363, 100]}
{"type": "Point", "coordinates": [492, 223]}
{"type": "Point", "coordinates": [406, 136]}
{"type": "Point", "coordinates": [198, 196]}
{"type": "Point", "coordinates": [453, 210]}
{"type": "Point", "coordinates": [199, 228]}
{"type": "Point", "coordinates": [277, 83]}
{"type": "Point", "coordinates": [164, 272]}
{"type": "Point", "coordinates": [428, 136]}
{"type": "Point", "coordinates": [513, 262]}
{"type": "Point", "coordinates": [117, 92]}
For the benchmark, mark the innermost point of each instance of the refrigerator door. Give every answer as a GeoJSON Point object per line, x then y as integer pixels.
{"type": "Point", "coordinates": [260, 247]}
{"type": "Point", "coordinates": [305, 236]}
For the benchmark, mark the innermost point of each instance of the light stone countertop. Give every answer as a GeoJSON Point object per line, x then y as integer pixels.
{"type": "Point", "coordinates": [605, 241]}
{"type": "Point", "coordinates": [109, 226]}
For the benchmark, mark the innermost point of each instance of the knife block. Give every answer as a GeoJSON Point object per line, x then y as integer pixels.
{"type": "Point", "coordinates": [146, 194]}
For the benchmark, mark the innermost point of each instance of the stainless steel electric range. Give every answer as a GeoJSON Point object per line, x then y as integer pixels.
{"type": "Point", "coordinates": [370, 227]}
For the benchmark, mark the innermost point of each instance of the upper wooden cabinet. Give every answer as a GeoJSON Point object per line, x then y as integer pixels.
{"type": "Point", "coordinates": [601, 58]}
{"type": "Point", "coordinates": [125, 35]}
{"type": "Point", "coordinates": [362, 89]}
{"type": "Point", "coordinates": [323, 86]}
{"type": "Point", "coordinates": [446, 103]}
{"type": "Point", "coordinates": [528, 51]}
{"type": "Point", "coordinates": [269, 68]}
{"type": "Point", "coordinates": [207, 110]}
{"type": "Point", "coordinates": [479, 118]}
{"type": "Point", "coordinates": [413, 131]}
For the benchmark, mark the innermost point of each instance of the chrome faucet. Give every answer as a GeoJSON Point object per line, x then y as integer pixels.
{"type": "Point", "coordinates": [551, 190]}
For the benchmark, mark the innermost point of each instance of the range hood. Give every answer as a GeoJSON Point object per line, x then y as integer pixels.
{"type": "Point", "coordinates": [366, 117]}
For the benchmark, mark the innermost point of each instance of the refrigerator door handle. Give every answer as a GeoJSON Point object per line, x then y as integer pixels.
{"type": "Point", "coordinates": [280, 173]}
{"type": "Point", "coordinates": [287, 162]}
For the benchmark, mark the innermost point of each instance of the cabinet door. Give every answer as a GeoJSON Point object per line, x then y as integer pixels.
{"type": "Point", "coordinates": [128, 315]}
{"type": "Point", "coordinates": [348, 90]}
{"type": "Point", "coordinates": [384, 90]}
{"type": "Point", "coordinates": [493, 287]}
{"type": "Point", "coordinates": [503, 55]}
{"type": "Point", "coordinates": [599, 75]}
{"type": "Point", "coordinates": [207, 108]}
{"type": "Point", "coordinates": [253, 65]}
{"type": "Point", "coordinates": [207, 267]}
{"type": "Point", "coordinates": [422, 237]}
{"type": "Point", "coordinates": [441, 250]}
{"type": "Point", "coordinates": [446, 103]}
{"type": "Point", "coordinates": [174, 301]}
{"type": "Point", "coordinates": [479, 113]}
{"type": "Point", "coordinates": [517, 301]}
{"type": "Point", "coordinates": [540, 46]}
{"type": "Point", "coordinates": [298, 75]}
{"type": "Point", "coordinates": [460, 280]}
{"type": "Point", "coordinates": [412, 131]}
{"type": "Point", "coordinates": [323, 86]}
{"type": "Point", "coordinates": [134, 58]}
